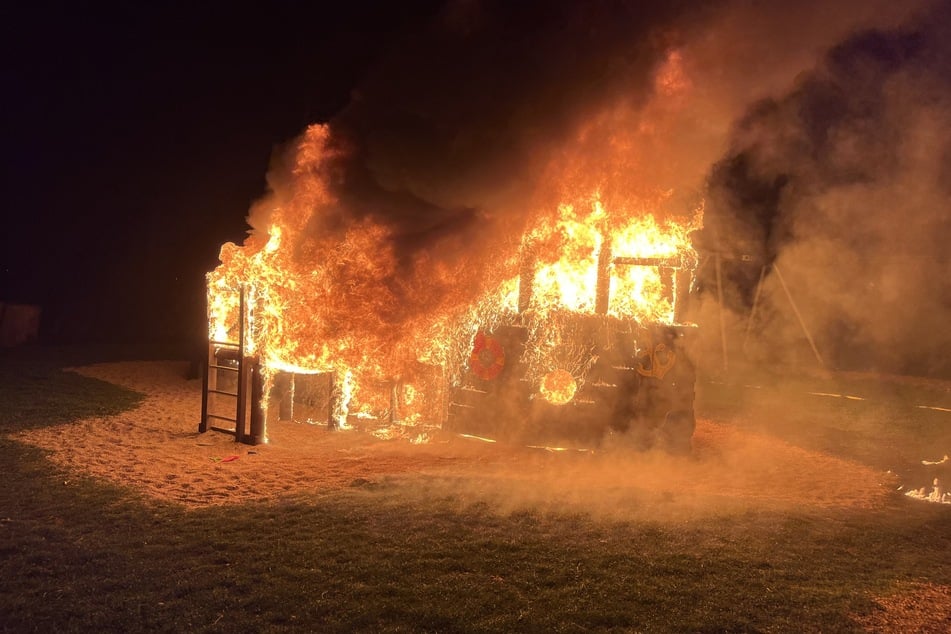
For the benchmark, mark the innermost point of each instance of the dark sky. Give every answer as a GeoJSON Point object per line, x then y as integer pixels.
{"type": "Point", "coordinates": [135, 137]}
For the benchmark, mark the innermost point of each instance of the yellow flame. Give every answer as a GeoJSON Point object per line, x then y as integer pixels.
{"type": "Point", "coordinates": [558, 387]}
{"type": "Point", "coordinates": [340, 303]}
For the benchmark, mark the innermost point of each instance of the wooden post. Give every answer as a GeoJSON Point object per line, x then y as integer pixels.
{"type": "Point", "coordinates": [682, 281]}
{"type": "Point", "coordinates": [242, 391]}
{"type": "Point", "coordinates": [284, 383]}
{"type": "Point", "coordinates": [394, 402]}
{"type": "Point", "coordinates": [526, 277]}
{"type": "Point", "coordinates": [331, 401]}
{"type": "Point", "coordinates": [207, 382]}
{"type": "Point", "coordinates": [667, 283]}
{"type": "Point", "coordinates": [241, 415]}
{"type": "Point", "coordinates": [602, 292]}
{"type": "Point", "coordinates": [258, 413]}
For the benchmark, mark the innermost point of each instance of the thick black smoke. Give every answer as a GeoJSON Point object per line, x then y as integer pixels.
{"type": "Point", "coordinates": [457, 123]}
{"type": "Point", "coordinates": [843, 185]}
{"type": "Point", "coordinates": [448, 142]}
{"type": "Point", "coordinates": [455, 126]}
{"type": "Point", "coordinates": [495, 112]}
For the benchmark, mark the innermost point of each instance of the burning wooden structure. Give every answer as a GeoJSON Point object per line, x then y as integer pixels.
{"type": "Point", "coordinates": [235, 377]}
{"type": "Point", "coordinates": [569, 322]}
{"type": "Point", "coordinates": [612, 374]}
{"type": "Point", "coordinates": [528, 364]}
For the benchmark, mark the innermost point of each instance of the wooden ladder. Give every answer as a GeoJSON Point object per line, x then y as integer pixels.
{"type": "Point", "coordinates": [219, 351]}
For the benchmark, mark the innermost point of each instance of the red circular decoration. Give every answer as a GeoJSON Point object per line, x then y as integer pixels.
{"type": "Point", "coordinates": [487, 358]}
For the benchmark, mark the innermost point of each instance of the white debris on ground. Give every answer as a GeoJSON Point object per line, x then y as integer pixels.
{"type": "Point", "coordinates": [938, 494]}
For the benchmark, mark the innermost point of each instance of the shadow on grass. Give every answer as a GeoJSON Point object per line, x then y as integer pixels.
{"type": "Point", "coordinates": [67, 355]}
{"type": "Point", "coordinates": [38, 392]}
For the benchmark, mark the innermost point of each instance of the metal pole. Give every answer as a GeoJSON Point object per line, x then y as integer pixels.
{"type": "Point", "coordinates": [802, 322]}
{"type": "Point", "coordinates": [720, 313]}
{"type": "Point", "coordinates": [749, 322]}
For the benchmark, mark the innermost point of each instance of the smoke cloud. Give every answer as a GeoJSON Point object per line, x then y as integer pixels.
{"type": "Point", "coordinates": [818, 136]}
{"type": "Point", "coordinates": [842, 184]}
{"type": "Point", "coordinates": [495, 112]}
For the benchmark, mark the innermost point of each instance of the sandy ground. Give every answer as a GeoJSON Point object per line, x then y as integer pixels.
{"type": "Point", "coordinates": [156, 450]}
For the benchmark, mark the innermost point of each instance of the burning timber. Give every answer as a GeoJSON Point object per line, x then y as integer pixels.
{"type": "Point", "coordinates": [637, 379]}
{"type": "Point", "coordinates": [526, 366]}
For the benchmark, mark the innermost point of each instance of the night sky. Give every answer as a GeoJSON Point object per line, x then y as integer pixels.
{"type": "Point", "coordinates": [136, 137]}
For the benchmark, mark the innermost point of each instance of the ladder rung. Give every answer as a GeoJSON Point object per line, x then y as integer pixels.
{"type": "Point", "coordinates": [222, 429]}
{"type": "Point", "coordinates": [211, 391]}
{"type": "Point", "coordinates": [233, 420]}
{"type": "Point", "coordinates": [228, 344]}
{"type": "Point", "coordinates": [225, 367]}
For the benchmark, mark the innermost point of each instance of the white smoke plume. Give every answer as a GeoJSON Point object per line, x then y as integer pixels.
{"type": "Point", "coordinates": [842, 184]}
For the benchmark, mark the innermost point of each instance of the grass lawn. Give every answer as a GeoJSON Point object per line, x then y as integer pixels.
{"type": "Point", "coordinates": [80, 555]}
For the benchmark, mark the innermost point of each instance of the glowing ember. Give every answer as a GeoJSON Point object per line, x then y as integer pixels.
{"type": "Point", "coordinates": [558, 387]}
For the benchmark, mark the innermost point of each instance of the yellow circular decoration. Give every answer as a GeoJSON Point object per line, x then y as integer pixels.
{"type": "Point", "coordinates": [558, 387]}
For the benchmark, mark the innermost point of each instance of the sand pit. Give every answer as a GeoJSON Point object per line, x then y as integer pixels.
{"type": "Point", "coordinates": [155, 449]}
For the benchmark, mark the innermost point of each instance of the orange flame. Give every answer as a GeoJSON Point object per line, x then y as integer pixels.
{"type": "Point", "coordinates": [328, 294]}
